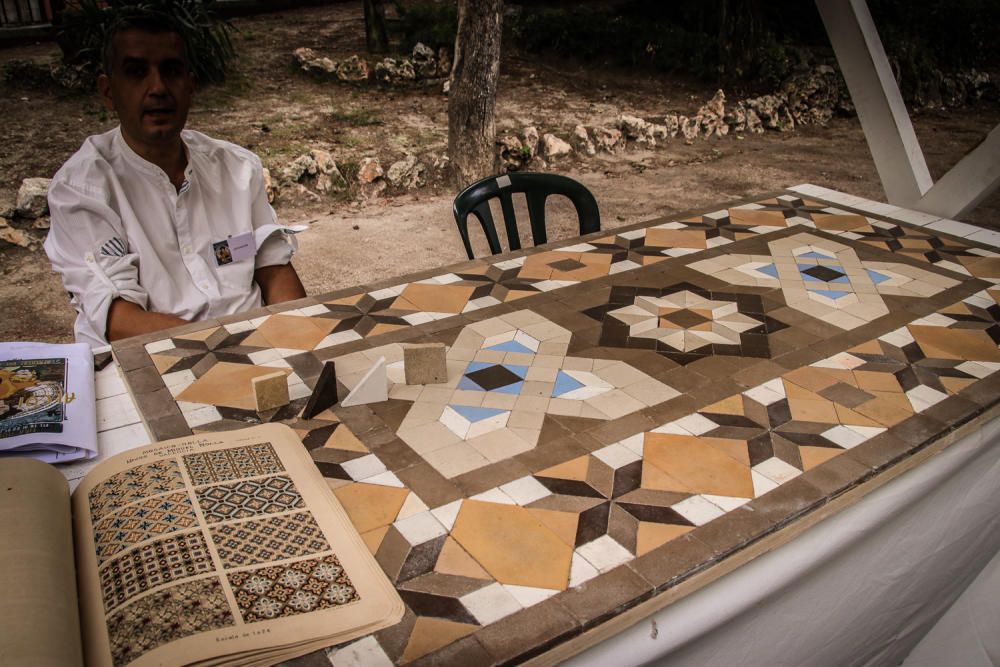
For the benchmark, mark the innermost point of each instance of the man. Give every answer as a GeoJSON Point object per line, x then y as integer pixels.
{"type": "Point", "coordinates": [154, 225]}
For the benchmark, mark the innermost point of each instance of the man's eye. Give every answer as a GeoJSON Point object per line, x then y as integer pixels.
{"type": "Point", "coordinates": [172, 70]}
{"type": "Point", "coordinates": [135, 70]}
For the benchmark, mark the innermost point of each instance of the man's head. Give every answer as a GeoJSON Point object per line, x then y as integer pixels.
{"type": "Point", "coordinates": [147, 81]}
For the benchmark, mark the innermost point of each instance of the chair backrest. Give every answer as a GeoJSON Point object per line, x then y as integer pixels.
{"type": "Point", "coordinates": [475, 200]}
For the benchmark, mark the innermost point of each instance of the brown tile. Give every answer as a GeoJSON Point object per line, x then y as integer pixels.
{"type": "Point", "coordinates": [396, 455]}
{"type": "Point", "coordinates": [131, 358]}
{"type": "Point", "coordinates": [446, 585]}
{"type": "Point", "coordinates": [786, 502]}
{"type": "Point", "coordinates": [880, 451]}
{"type": "Point", "coordinates": [674, 561]}
{"type": "Point", "coordinates": [919, 430]}
{"type": "Point", "coordinates": [465, 651]}
{"type": "Point", "coordinates": [144, 380]}
{"type": "Point", "coordinates": [837, 475]}
{"type": "Point", "coordinates": [757, 374]}
{"type": "Point", "coordinates": [395, 638]}
{"type": "Point", "coordinates": [613, 431]}
{"type": "Point", "coordinates": [733, 530]}
{"type": "Point", "coordinates": [550, 453]}
{"type": "Point", "coordinates": [165, 428]}
{"type": "Point", "coordinates": [604, 596]}
{"type": "Point", "coordinates": [392, 553]}
{"type": "Point", "coordinates": [954, 411]}
{"type": "Point", "coordinates": [529, 632]}
{"type": "Point", "coordinates": [429, 485]}
{"type": "Point", "coordinates": [490, 476]}
{"type": "Point", "coordinates": [158, 404]}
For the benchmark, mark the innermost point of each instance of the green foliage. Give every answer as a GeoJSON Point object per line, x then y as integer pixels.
{"type": "Point", "coordinates": [432, 23]}
{"type": "Point", "coordinates": [86, 25]}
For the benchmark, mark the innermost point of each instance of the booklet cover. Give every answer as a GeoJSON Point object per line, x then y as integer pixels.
{"type": "Point", "coordinates": [47, 406]}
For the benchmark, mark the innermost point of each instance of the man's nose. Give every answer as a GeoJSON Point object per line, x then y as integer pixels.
{"type": "Point", "coordinates": [155, 83]}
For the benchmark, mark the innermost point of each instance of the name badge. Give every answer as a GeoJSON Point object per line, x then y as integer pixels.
{"type": "Point", "coordinates": [234, 249]}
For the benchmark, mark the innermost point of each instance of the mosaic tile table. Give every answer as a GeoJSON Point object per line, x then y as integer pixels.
{"type": "Point", "coordinates": [624, 413]}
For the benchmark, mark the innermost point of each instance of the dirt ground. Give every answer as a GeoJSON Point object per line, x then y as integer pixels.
{"type": "Point", "coordinates": [280, 113]}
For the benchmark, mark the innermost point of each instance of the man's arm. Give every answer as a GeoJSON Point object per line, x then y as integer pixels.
{"type": "Point", "coordinates": [278, 283]}
{"type": "Point", "coordinates": [127, 319]}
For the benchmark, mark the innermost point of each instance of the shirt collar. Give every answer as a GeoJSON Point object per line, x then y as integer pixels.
{"type": "Point", "coordinates": [144, 164]}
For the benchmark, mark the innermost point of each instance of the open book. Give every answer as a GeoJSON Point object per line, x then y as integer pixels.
{"type": "Point", "coordinates": [215, 549]}
{"type": "Point", "coordinates": [47, 408]}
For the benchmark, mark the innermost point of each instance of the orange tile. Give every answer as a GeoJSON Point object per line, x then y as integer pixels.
{"type": "Point", "coordinates": [870, 347]}
{"type": "Point", "coordinates": [256, 339]}
{"type": "Point", "coordinates": [702, 468]}
{"type": "Point", "coordinates": [756, 218]}
{"type": "Point", "coordinates": [512, 545]}
{"type": "Point", "coordinates": [885, 410]}
{"type": "Point", "coordinates": [382, 328]}
{"type": "Point", "coordinates": [735, 449]}
{"type": "Point", "coordinates": [813, 379]}
{"type": "Point", "coordinates": [651, 259]}
{"type": "Point", "coordinates": [872, 381]}
{"type": "Point", "coordinates": [813, 456]}
{"type": "Point", "coordinates": [982, 267]}
{"type": "Point", "coordinates": [342, 438]}
{"type": "Point", "coordinates": [563, 524]}
{"type": "Point", "coordinates": [295, 332]}
{"type": "Point", "coordinates": [964, 344]}
{"type": "Point", "coordinates": [371, 506]}
{"type": "Point", "coordinates": [430, 634]}
{"type": "Point", "coordinates": [347, 300]}
{"type": "Point", "coordinates": [653, 535]}
{"type": "Point", "coordinates": [727, 406]}
{"type": "Point", "coordinates": [841, 375]}
{"type": "Point", "coordinates": [373, 538]}
{"type": "Point", "coordinates": [676, 238]}
{"type": "Point", "coordinates": [848, 416]}
{"type": "Point", "coordinates": [841, 223]}
{"type": "Point", "coordinates": [575, 469]}
{"type": "Point", "coordinates": [955, 385]}
{"type": "Point", "coordinates": [227, 384]}
{"type": "Point", "coordinates": [537, 266]}
{"type": "Point", "coordinates": [201, 336]}
{"type": "Point", "coordinates": [517, 294]}
{"type": "Point", "coordinates": [436, 298]}
{"type": "Point", "coordinates": [455, 560]}
{"type": "Point", "coordinates": [655, 479]}
{"type": "Point", "coordinates": [163, 363]}
{"type": "Point", "coordinates": [821, 411]}
{"type": "Point", "coordinates": [794, 391]}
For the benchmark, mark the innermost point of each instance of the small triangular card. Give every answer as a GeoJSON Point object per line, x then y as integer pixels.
{"type": "Point", "coordinates": [325, 393]}
{"type": "Point", "coordinates": [373, 387]}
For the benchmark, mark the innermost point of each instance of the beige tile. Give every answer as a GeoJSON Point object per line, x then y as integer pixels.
{"type": "Point", "coordinates": [431, 634]}
{"type": "Point", "coordinates": [227, 384]}
{"type": "Point", "coordinates": [371, 506]}
{"type": "Point", "coordinates": [701, 468]}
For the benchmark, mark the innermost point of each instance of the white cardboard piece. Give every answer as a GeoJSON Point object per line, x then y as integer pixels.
{"type": "Point", "coordinates": [373, 387]}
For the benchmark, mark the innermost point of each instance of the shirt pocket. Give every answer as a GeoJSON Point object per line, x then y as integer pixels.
{"type": "Point", "coordinates": [237, 275]}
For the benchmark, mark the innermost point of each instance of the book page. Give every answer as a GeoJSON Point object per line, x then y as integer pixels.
{"type": "Point", "coordinates": [47, 405]}
{"type": "Point", "coordinates": [39, 616]}
{"type": "Point", "coordinates": [221, 548]}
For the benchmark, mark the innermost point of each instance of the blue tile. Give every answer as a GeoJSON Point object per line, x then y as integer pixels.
{"type": "Point", "coordinates": [876, 276]}
{"type": "Point", "coordinates": [511, 346]}
{"type": "Point", "coordinates": [476, 414]}
{"type": "Point", "coordinates": [832, 294]}
{"type": "Point", "coordinates": [565, 384]}
{"type": "Point", "coordinates": [770, 270]}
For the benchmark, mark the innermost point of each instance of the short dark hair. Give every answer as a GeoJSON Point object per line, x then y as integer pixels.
{"type": "Point", "coordinates": [152, 23]}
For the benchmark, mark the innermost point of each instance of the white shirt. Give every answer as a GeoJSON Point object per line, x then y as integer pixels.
{"type": "Point", "coordinates": [121, 229]}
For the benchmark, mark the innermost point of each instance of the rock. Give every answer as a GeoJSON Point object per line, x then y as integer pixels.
{"type": "Point", "coordinates": [328, 177]}
{"type": "Point", "coordinates": [609, 139]}
{"type": "Point", "coordinates": [814, 96]}
{"type": "Point", "coordinates": [393, 70]}
{"type": "Point", "coordinates": [581, 141]}
{"type": "Point", "coordinates": [660, 132]}
{"type": "Point", "coordinates": [754, 126]}
{"type": "Point", "coordinates": [424, 61]}
{"type": "Point", "coordinates": [690, 127]}
{"type": "Point", "coordinates": [32, 198]}
{"type": "Point", "coordinates": [15, 237]}
{"type": "Point", "coordinates": [407, 173]}
{"type": "Point", "coordinates": [772, 111]}
{"type": "Point", "coordinates": [636, 129]}
{"type": "Point", "coordinates": [272, 192]}
{"type": "Point", "coordinates": [369, 170]}
{"type": "Point", "coordinates": [513, 154]}
{"type": "Point", "coordinates": [299, 168]}
{"type": "Point", "coordinates": [309, 61]}
{"type": "Point", "coordinates": [446, 86]}
{"type": "Point", "coordinates": [352, 69]}
{"type": "Point", "coordinates": [530, 135]}
{"type": "Point", "coordinates": [553, 146]}
{"type": "Point", "coordinates": [41, 223]}
{"type": "Point", "coordinates": [672, 124]}
{"type": "Point", "coordinates": [710, 117]}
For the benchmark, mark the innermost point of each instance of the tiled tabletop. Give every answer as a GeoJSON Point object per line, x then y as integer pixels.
{"type": "Point", "coordinates": [622, 411]}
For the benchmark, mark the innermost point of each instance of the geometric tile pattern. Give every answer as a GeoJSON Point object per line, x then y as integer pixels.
{"type": "Point", "coordinates": [132, 484]}
{"type": "Point", "coordinates": [248, 498]}
{"type": "Point", "coordinates": [856, 335]}
{"type": "Point", "coordinates": [270, 539]}
{"type": "Point", "coordinates": [826, 279]}
{"type": "Point", "coordinates": [686, 322]}
{"type": "Point", "coordinates": [166, 615]}
{"type": "Point", "coordinates": [152, 565]}
{"type": "Point", "coordinates": [505, 374]}
{"type": "Point", "coordinates": [142, 520]}
{"type": "Point", "coordinates": [285, 590]}
{"type": "Point", "coordinates": [223, 465]}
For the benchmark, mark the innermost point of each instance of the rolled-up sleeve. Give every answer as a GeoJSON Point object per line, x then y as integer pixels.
{"type": "Point", "coordinates": [88, 248]}
{"type": "Point", "coordinates": [278, 247]}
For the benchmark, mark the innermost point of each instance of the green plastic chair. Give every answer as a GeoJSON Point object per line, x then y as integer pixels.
{"type": "Point", "coordinates": [474, 200]}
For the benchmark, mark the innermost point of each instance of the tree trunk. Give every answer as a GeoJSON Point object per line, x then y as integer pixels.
{"type": "Point", "coordinates": [473, 91]}
{"type": "Point", "coordinates": [375, 36]}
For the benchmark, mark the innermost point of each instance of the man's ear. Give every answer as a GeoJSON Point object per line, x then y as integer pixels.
{"type": "Point", "coordinates": [104, 88]}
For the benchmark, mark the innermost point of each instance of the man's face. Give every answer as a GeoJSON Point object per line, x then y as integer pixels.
{"type": "Point", "coordinates": [150, 86]}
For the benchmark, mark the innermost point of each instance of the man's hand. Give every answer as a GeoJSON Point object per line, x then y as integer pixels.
{"type": "Point", "coordinates": [278, 283]}
{"type": "Point", "coordinates": [128, 319]}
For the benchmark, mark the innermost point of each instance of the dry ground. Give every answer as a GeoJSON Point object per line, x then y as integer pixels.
{"type": "Point", "coordinates": [280, 113]}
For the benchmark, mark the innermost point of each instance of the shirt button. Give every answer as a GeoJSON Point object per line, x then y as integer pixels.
{"type": "Point", "coordinates": [187, 250]}
{"type": "Point", "coordinates": [204, 285]}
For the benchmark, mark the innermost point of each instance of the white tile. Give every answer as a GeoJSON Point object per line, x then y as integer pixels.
{"type": "Point", "coordinates": [494, 495]}
{"type": "Point", "coordinates": [490, 603]}
{"type": "Point", "coordinates": [420, 528]}
{"type": "Point", "coordinates": [697, 510]}
{"type": "Point", "coordinates": [116, 411]}
{"type": "Point", "coordinates": [954, 227]}
{"type": "Point", "coordinates": [843, 436]}
{"type": "Point", "coordinates": [160, 346]}
{"type": "Point", "coordinates": [918, 218]}
{"type": "Point", "coordinates": [579, 247]}
{"type": "Point", "coordinates": [108, 384]}
{"type": "Point", "coordinates": [922, 397]}
{"type": "Point", "coordinates": [634, 443]}
{"type": "Point", "coordinates": [525, 490]}
{"type": "Point", "coordinates": [974, 368]}
{"type": "Point", "coordinates": [363, 653]}
{"type": "Point", "coordinates": [777, 470]}
{"type": "Point", "coordinates": [900, 337]}
{"type": "Point", "coordinates": [298, 390]}
{"type": "Point", "coordinates": [206, 414]}
{"type": "Point", "coordinates": [316, 309]}
{"type": "Point", "coordinates": [617, 455]}
{"type": "Point", "coordinates": [727, 503]}
{"type": "Point", "coordinates": [413, 505]}
{"type": "Point", "coordinates": [418, 318]}
{"type": "Point", "coordinates": [986, 236]}
{"type": "Point", "coordinates": [338, 338]}
{"type": "Point", "coordinates": [388, 478]}
{"type": "Point", "coordinates": [387, 293]}
{"type": "Point", "coordinates": [842, 361]}
{"type": "Point", "coordinates": [604, 553]}
{"type": "Point", "coordinates": [121, 439]}
{"type": "Point", "coordinates": [264, 356]}
{"type": "Point", "coordinates": [761, 484]}
{"type": "Point", "coordinates": [528, 596]}
{"type": "Point", "coordinates": [763, 395]}
{"type": "Point", "coordinates": [363, 468]}
{"type": "Point", "coordinates": [696, 424]}
{"type": "Point", "coordinates": [239, 327]}
{"type": "Point", "coordinates": [447, 514]}
{"type": "Point", "coordinates": [580, 570]}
